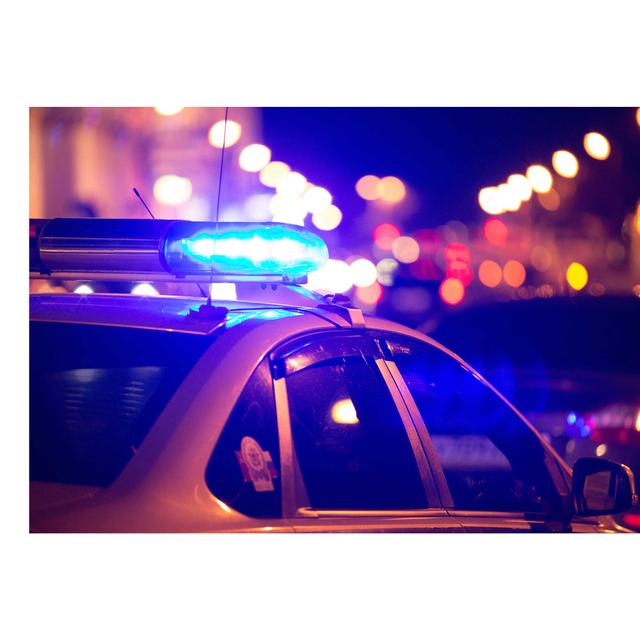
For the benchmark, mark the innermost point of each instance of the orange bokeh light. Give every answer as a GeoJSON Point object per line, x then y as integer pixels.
{"type": "Point", "coordinates": [490, 273]}
{"type": "Point", "coordinates": [514, 273]}
{"type": "Point", "coordinates": [370, 294]}
{"type": "Point", "coordinates": [451, 291]}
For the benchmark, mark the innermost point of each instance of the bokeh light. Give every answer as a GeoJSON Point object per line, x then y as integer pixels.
{"type": "Point", "coordinates": [490, 273]}
{"type": "Point", "coordinates": [291, 184]}
{"type": "Point", "coordinates": [508, 197]}
{"type": "Point", "coordinates": [391, 189]}
{"type": "Point", "coordinates": [172, 190]}
{"type": "Point", "coordinates": [144, 289]}
{"type": "Point", "coordinates": [550, 200]}
{"type": "Point", "coordinates": [367, 187]}
{"type": "Point", "coordinates": [405, 249]}
{"type": "Point", "coordinates": [489, 201]}
{"type": "Point", "coordinates": [316, 199]}
{"type": "Point", "coordinates": [254, 157]}
{"type": "Point", "coordinates": [384, 235]}
{"type": "Point", "coordinates": [521, 186]}
{"type": "Point", "coordinates": [168, 109]}
{"type": "Point", "coordinates": [328, 219]}
{"type": "Point", "coordinates": [565, 164]}
{"type": "Point", "coordinates": [577, 276]}
{"type": "Point", "coordinates": [539, 178]}
{"type": "Point", "coordinates": [496, 232]}
{"type": "Point", "coordinates": [638, 123]}
{"type": "Point", "coordinates": [540, 258]}
{"type": "Point", "coordinates": [333, 277]}
{"type": "Point", "coordinates": [596, 145]}
{"type": "Point", "coordinates": [363, 272]}
{"type": "Point", "coordinates": [271, 174]}
{"type": "Point", "coordinates": [514, 273]}
{"type": "Point", "coordinates": [386, 269]}
{"type": "Point", "coordinates": [287, 209]}
{"type": "Point", "coordinates": [370, 295]}
{"type": "Point", "coordinates": [218, 137]}
{"type": "Point", "coordinates": [451, 291]}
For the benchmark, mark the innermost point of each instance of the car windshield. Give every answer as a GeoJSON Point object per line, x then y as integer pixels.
{"type": "Point", "coordinates": [94, 392]}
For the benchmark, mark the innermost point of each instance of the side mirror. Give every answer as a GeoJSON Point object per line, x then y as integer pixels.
{"type": "Point", "coordinates": [601, 487]}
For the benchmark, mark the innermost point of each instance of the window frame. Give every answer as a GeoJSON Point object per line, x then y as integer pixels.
{"type": "Point", "coordinates": [295, 501]}
{"type": "Point", "coordinates": [386, 338]}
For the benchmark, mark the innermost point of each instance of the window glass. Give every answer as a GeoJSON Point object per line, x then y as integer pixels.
{"type": "Point", "coordinates": [352, 447]}
{"type": "Point", "coordinates": [244, 470]}
{"type": "Point", "coordinates": [491, 459]}
{"type": "Point", "coordinates": [94, 392]}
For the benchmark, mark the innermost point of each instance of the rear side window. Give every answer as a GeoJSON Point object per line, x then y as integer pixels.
{"type": "Point", "coordinates": [352, 447]}
{"type": "Point", "coordinates": [94, 393]}
{"type": "Point", "coordinates": [491, 459]}
{"type": "Point", "coordinates": [244, 470]}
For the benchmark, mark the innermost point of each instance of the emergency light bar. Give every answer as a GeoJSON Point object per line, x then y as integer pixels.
{"type": "Point", "coordinates": [114, 249]}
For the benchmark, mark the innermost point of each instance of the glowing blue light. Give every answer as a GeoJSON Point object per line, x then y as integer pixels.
{"type": "Point", "coordinates": [571, 418]}
{"type": "Point", "coordinates": [243, 249]}
{"type": "Point", "coordinates": [585, 430]}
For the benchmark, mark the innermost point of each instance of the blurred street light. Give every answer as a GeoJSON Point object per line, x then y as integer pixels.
{"type": "Point", "coordinates": [451, 291]}
{"type": "Point", "coordinates": [490, 201]}
{"type": "Point", "coordinates": [172, 190]}
{"type": "Point", "coordinates": [291, 184]}
{"type": "Point", "coordinates": [363, 272]}
{"type": "Point", "coordinates": [271, 174]}
{"type": "Point", "coordinates": [254, 157]}
{"type": "Point", "coordinates": [514, 273]}
{"type": "Point", "coordinates": [391, 189]}
{"type": "Point", "coordinates": [597, 146]}
{"type": "Point", "coordinates": [539, 178]}
{"type": "Point", "coordinates": [367, 187]}
{"type": "Point", "coordinates": [565, 164]}
{"type": "Point", "coordinates": [521, 186]}
{"type": "Point", "coordinates": [217, 134]}
{"type": "Point", "coordinates": [405, 249]}
{"type": "Point", "coordinates": [328, 219]}
{"type": "Point", "coordinates": [316, 199]}
{"type": "Point", "coordinates": [168, 110]}
{"type": "Point", "coordinates": [490, 273]}
{"type": "Point", "coordinates": [577, 276]}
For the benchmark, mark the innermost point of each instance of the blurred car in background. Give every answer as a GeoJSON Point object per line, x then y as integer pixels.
{"type": "Point", "coordinates": [571, 365]}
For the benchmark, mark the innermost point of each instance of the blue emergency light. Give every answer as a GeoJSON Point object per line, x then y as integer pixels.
{"type": "Point", "coordinates": [114, 249]}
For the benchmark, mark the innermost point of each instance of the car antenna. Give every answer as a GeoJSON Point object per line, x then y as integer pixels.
{"type": "Point", "coordinates": [207, 310]}
{"type": "Point", "coordinates": [143, 202]}
{"type": "Point", "coordinates": [202, 291]}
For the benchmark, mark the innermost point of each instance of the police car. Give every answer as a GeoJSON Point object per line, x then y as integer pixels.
{"type": "Point", "coordinates": [183, 414]}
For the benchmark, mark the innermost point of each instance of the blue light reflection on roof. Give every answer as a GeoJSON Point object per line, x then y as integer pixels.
{"type": "Point", "coordinates": [235, 318]}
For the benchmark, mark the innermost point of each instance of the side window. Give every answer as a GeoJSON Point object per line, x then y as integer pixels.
{"type": "Point", "coordinates": [244, 470]}
{"type": "Point", "coordinates": [352, 447]}
{"type": "Point", "coordinates": [491, 459]}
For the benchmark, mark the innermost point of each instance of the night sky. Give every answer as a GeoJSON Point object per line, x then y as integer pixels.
{"type": "Point", "coordinates": [448, 154]}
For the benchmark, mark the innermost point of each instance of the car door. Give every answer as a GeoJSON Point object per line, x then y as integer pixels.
{"type": "Point", "coordinates": [495, 473]}
{"type": "Point", "coordinates": [350, 455]}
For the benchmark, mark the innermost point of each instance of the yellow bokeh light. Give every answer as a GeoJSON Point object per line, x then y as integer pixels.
{"type": "Point", "coordinates": [596, 145]}
{"type": "Point", "coordinates": [508, 197]}
{"type": "Point", "coordinates": [173, 190]}
{"type": "Point", "coordinates": [565, 164]}
{"type": "Point", "coordinates": [343, 412]}
{"type": "Point", "coordinates": [521, 186]}
{"type": "Point", "coordinates": [333, 277]}
{"type": "Point", "coordinates": [514, 273]}
{"type": "Point", "coordinates": [218, 136]}
{"type": "Point", "coordinates": [328, 219]}
{"type": "Point", "coordinates": [391, 189]}
{"type": "Point", "coordinates": [254, 157]}
{"type": "Point", "coordinates": [539, 178]}
{"type": "Point", "coordinates": [292, 184]}
{"type": "Point", "coordinates": [271, 174]}
{"type": "Point", "coordinates": [405, 249]}
{"type": "Point", "coordinates": [638, 120]}
{"type": "Point", "coordinates": [490, 273]}
{"type": "Point", "coordinates": [168, 110]}
{"type": "Point", "coordinates": [577, 276]}
{"type": "Point", "coordinates": [367, 187]}
{"type": "Point", "coordinates": [316, 199]}
{"type": "Point", "coordinates": [489, 201]}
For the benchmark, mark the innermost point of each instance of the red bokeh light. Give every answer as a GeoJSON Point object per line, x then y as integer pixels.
{"type": "Point", "coordinates": [384, 235]}
{"type": "Point", "coordinates": [370, 294]}
{"type": "Point", "coordinates": [496, 232]}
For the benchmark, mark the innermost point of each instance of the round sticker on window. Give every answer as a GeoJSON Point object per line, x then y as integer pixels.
{"type": "Point", "coordinates": [256, 464]}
